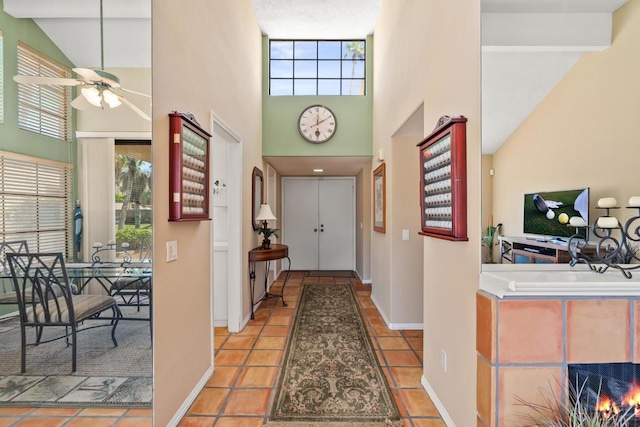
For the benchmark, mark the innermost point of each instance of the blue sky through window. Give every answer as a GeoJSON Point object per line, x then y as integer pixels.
{"type": "Point", "coordinates": [317, 67]}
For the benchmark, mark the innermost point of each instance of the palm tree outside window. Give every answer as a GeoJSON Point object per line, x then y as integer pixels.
{"type": "Point", "coordinates": [133, 174]}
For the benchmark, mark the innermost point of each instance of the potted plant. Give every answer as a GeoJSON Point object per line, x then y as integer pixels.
{"type": "Point", "coordinates": [488, 239]}
{"type": "Point", "coordinates": [267, 232]}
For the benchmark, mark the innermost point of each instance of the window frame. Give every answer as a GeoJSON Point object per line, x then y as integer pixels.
{"type": "Point", "coordinates": [43, 109]}
{"type": "Point", "coordinates": [317, 60]}
{"type": "Point", "coordinates": [27, 181]}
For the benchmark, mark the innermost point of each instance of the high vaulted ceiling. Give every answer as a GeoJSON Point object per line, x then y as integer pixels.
{"type": "Point", "coordinates": [528, 45]}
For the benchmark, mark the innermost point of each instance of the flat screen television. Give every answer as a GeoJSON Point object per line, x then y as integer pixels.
{"type": "Point", "coordinates": [547, 213]}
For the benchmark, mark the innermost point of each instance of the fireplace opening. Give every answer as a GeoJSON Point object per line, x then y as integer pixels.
{"type": "Point", "coordinates": [611, 390]}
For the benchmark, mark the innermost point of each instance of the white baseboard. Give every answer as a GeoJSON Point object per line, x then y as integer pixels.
{"type": "Point", "coordinates": [220, 323]}
{"type": "Point", "coordinates": [396, 326]}
{"type": "Point", "coordinates": [364, 281]}
{"type": "Point", "coordinates": [406, 326]}
{"type": "Point", "coordinates": [182, 410]}
{"type": "Point", "coordinates": [436, 401]}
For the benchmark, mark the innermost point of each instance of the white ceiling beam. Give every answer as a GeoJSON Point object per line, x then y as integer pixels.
{"type": "Point", "coordinates": [571, 32]}
{"type": "Point", "coordinates": [77, 8]}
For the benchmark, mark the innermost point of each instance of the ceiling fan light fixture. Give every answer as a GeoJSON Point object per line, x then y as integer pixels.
{"type": "Point", "coordinates": [111, 98]}
{"type": "Point", "coordinates": [92, 95]}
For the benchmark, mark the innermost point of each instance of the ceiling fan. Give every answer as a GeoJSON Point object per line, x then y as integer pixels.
{"type": "Point", "coordinates": [97, 87]}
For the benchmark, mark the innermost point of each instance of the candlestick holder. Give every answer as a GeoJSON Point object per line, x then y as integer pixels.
{"type": "Point", "coordinates": [123, 255]}
{"type": "Point", "coordinates": [616, 245]}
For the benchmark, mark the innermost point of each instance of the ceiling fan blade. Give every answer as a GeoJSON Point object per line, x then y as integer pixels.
{"type": "Point", "coordinates": [133, 91]}
{"type": "Point", "coordinates": [80, 103]}
{"type": "Point", "coordinates": [41, 80]}
{"type": "Point", "coordinates": [87, 73]}
{"type": "Point", "coordinates": [134, 108]}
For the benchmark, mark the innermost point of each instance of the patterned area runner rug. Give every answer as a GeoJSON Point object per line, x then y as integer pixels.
{"type": "Point", "coordinates": [331, 273]}
{"type": "Point", "coordinates": [331, 375]}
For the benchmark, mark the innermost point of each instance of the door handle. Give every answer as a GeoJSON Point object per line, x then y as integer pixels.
{"type": "Point", "coordinates": [322, 230]}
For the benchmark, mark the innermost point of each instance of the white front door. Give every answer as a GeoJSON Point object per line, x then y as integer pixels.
{"type": "Point", "coordinates": [337, 224]}
{"type": "Point", "coordinates": [319, 222]}
{"type": "Point", "coordinates": [300, 222]}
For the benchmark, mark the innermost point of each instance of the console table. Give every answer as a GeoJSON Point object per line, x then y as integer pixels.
{"type": "Point", "coordinates": [275, 252]}
{"type": "Point", "coordinates": [531, 251]}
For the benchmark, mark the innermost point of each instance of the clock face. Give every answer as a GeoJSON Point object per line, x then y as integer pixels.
{"type": "Point", "coordinates": [317, 124]}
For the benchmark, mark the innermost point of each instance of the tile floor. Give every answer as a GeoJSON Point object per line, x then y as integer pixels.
{"type": "Point", "coordinates": [247, 367]}
{"type": "Point", "coordinates": [247, 364]}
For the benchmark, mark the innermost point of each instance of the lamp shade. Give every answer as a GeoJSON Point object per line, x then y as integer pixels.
{"type": "Point", "coordinates": [92, 95]}
{"type": "Point", "coordinates": [265, 213]}
{"type": "Point", "coordinates": [111, 98]}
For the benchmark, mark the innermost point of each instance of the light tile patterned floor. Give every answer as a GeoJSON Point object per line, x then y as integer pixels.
{"type": "Point", "coordinates": [247, 364]}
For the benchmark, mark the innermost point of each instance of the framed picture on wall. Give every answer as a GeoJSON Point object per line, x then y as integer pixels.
{"type": "Point", "coordinates": [379, 199]}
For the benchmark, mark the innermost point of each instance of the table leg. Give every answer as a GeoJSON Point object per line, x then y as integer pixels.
{"type": "Point", "coordinates": [252, 284]}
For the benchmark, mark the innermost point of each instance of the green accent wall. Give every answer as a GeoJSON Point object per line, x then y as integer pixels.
{"type": "Point", "coordinates": [11, 138]}
{"type": "Point", "coordinates": [354, 134]}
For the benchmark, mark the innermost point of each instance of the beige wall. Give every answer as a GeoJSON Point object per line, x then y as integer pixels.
{"type": "Point", "coordinates": [122, 118]}
{"type": "Point", "coordinates": [429, 52]}
{"type": "Point", "coordinates": [363, 216]}
{"type": "Point", "coordinates": [206, 57]}
{"type": "Point", "coordinates": [406, 255]}
{"type": "Point", "coordinates": [583, 134]}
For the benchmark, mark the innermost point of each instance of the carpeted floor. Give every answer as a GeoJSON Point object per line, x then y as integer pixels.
{"type": "Point", "coordinates": [331, 375]}
{"type": "Point", "coordinates": [106, 375]}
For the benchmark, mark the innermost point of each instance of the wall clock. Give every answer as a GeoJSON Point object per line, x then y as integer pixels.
{"type": "Point", "coordinates": [317, 124]}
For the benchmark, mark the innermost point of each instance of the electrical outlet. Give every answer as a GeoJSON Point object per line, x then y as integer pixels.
{"type": "Point", "coordinates": [405, 234]}
{"type": "Point", "coordinates": [172, 251]}
{"type": "Point", "coordinates": [443, 360]}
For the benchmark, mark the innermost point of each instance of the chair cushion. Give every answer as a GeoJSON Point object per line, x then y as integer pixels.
{"type": "Point", "coordinates": [84, 305]}
{"type": "Point", "coordinates": [12, 298]}
{"type": "Point", "coordinates": [8, 298]}
{"type": "Point", "coordinates": [132, 283]}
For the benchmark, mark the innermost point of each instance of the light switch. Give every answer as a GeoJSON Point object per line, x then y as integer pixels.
{"type": "Point", "coordinates": [172, 251]}
{"type": "Point", "coordinates": [405, 234]}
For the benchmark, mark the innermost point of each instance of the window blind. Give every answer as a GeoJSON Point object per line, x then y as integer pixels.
{"type": "Point", "coordinates": [1, 79]}
{"type": "Point", "coordinates": [44, 109]}
{"type": "Point", "coordinates": [35, 200]}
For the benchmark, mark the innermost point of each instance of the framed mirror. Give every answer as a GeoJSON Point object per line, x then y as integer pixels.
{"type": "Point", "coordinates": [257, 181]}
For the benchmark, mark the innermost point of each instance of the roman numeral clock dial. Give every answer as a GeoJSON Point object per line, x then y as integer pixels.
{"type": "Point", "coordinates": [317, 124]}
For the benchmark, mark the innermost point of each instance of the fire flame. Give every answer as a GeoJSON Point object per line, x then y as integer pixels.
{"type": "Point", "coordinates": [632, 398]}
{"type": "Point", "coordinates": [607, 407]}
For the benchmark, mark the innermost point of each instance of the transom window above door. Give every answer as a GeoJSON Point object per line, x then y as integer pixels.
{"type": "Point", "coordinates": [317, 67]}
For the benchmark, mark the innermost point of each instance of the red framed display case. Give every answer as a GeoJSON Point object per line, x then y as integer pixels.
{"type": "Point", "coordinates": [188, 169]}
{"type": "Point", "coordinates": [443, 180]}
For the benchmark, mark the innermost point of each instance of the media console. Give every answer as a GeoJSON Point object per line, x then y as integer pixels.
{"type": "Point", "coordinates": [528, 250]}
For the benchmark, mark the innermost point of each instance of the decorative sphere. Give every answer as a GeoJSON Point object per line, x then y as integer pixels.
{"type": "Point", "coordinates": [551, 214]}
{"type": "Point", "coordinates": [563, 218]}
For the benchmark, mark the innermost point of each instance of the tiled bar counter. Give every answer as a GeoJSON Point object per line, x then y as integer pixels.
{"type": "Point", "coordinates": [531, 324]}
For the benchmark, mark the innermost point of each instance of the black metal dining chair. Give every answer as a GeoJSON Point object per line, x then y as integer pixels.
{"type": "Point", "coordinates": [45, 300]}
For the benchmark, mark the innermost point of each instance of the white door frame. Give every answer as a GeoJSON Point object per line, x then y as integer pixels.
{"type": "Point", "coordinates": [272, 201]}
{"type": "Point", "coordinates": [234, 253]}
{"type": "Point", "coordinates": [282, 201]}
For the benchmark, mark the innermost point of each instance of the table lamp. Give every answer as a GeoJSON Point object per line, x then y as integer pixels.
{"type": "Point", "coordinates": [264, 215]}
